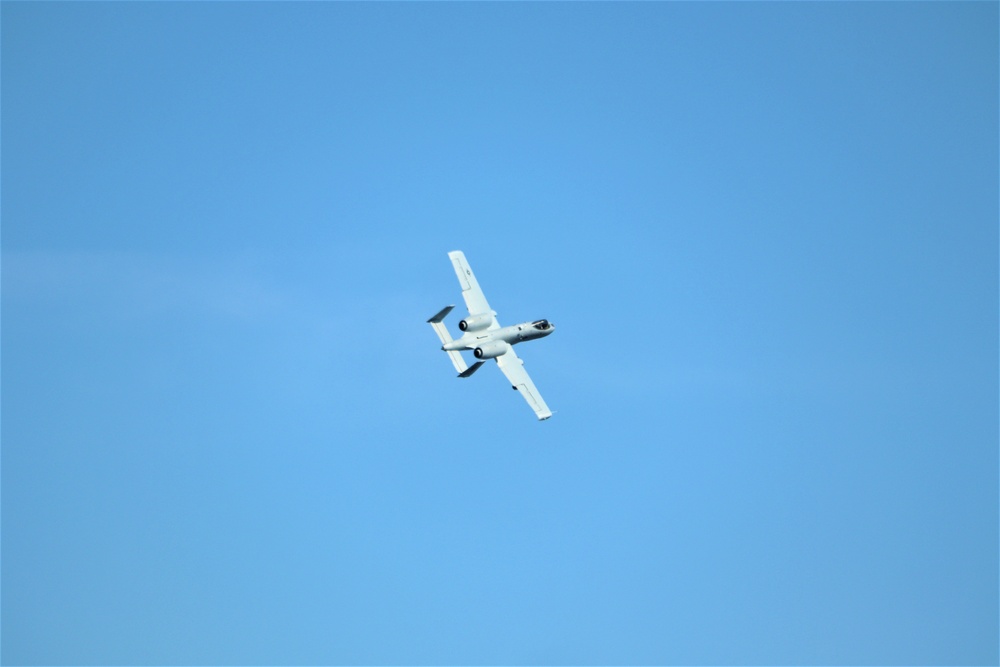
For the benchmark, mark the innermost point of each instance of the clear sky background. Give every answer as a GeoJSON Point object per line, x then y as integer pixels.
{"type": "Point", "coordinates": [767, 234]}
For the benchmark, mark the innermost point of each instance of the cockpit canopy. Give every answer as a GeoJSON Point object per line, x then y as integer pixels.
{"type": "Point", "coordinates": [541, 325]}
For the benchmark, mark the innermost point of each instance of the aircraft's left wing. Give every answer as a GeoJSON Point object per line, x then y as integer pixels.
{"type": "Point", "coordinates": [475, 300]}
{"type": "Point", "coordinates": [513, 368]}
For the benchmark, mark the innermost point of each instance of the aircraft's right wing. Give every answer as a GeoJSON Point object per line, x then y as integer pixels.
{"type": "Point", "coordinates": [475, 300]}
{"type": "Point", "coordinates": [513, 368]}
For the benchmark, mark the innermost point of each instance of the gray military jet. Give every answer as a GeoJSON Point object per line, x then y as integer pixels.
{"type": "Point", "coordinates": [487, 339]}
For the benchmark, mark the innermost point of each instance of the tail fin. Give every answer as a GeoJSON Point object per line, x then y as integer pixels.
{"type": "Point", "coordinates": [443, 313]}
{"type": "Point", "coordinates": [472, 369]}
{"type": "Point", "coordinates": [442, 331]}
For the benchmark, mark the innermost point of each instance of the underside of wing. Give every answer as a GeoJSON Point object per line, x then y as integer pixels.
{"type": "Point", "coordinates": [513, 368]}
{"type": "Point", "coordinates": [475, 300]}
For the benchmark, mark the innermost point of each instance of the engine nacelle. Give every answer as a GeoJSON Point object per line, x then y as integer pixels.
{"type": "Point", "coordinates": [476, 322]}
{"type": "Point", "coordinates": [491, 350]}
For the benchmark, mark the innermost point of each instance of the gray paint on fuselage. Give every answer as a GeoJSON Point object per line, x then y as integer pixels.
{"type": "Point", "coordinates": [514, 334]}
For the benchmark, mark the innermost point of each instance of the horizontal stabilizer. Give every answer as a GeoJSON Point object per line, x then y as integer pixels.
{"type": "Point", "coordinates": [442, 331]}
{"type": "Point", "coordinates": [472, 369]}
{"type": "Point", "coordinates": [458, 361]}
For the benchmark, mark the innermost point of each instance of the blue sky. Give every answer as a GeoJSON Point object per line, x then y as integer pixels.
{"type": "Point", "coordinates": [767, 234]}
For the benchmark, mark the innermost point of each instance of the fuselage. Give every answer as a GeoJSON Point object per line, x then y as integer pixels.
{"type": "Point", "coordinates": [512, 335]}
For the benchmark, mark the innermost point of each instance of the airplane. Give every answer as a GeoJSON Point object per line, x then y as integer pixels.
{"type": "Point", "coordinates": [483, 335]}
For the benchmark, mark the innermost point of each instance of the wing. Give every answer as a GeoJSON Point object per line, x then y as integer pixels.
{"type": "Point", "coordinates": [513, 368]}
{"type": "Point", "coordinates": [475, 300]}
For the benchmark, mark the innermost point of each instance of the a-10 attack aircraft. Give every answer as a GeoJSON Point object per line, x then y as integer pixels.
{"type": "Point", "coordinates": [487, 339]}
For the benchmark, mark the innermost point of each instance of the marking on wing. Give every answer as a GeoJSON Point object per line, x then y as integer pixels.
{"type": "Point", "coordinates": [462, 274]}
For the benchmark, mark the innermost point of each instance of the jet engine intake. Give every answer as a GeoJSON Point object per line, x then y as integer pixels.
{"type": "Point", "coordinates": [491, 350]}
{"type": "Point", "coordinates": [476, 322]}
